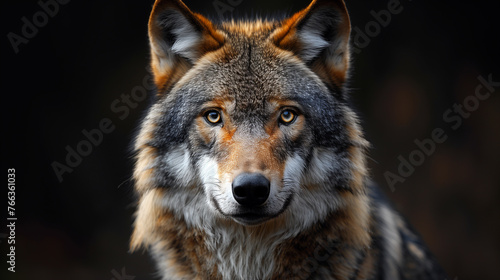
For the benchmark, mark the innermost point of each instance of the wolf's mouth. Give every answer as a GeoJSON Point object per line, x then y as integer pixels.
{"type": "Point", "coordinates": [250, 218]}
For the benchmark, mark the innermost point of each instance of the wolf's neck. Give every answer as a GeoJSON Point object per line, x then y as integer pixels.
{"type": "Point", "coordinates": [227, 250]}
{"type": "Point", "coordinates": [240, 251]}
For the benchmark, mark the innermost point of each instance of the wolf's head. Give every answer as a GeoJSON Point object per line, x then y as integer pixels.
{"type": "Point", "coordinates": [251, 123]}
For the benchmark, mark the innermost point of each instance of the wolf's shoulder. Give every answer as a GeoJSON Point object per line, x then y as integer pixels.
{"type": "Point", "coordinates": [402, 251]}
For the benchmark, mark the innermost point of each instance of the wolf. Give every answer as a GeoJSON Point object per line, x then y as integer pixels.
{"type": "Point", "coordinates": [251, 163]}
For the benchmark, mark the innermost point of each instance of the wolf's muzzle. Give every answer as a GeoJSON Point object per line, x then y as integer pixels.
{"type": "Point", "coordinates": [251, 189]}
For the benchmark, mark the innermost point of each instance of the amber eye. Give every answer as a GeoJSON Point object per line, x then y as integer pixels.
{"type": "Point", "coordinates": [213, 117]}
{"type": "Point", "coordinates": [287, 117]}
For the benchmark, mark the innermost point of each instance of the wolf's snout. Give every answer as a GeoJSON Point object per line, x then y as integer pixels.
{"type": "Point", "coordinates": [251, 189]}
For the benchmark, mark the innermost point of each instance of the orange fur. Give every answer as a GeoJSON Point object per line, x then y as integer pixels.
{"type": "Point", "coordinates": [212, 39]}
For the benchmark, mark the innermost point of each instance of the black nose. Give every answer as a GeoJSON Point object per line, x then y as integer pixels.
{"type": "Point", "coordinates": [251, 189]}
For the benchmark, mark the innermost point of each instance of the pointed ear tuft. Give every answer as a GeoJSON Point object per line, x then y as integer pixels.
{"type": "Point", "coordinates": [319, 35]}
{"type": "Point", "coordinates": [178, 38]}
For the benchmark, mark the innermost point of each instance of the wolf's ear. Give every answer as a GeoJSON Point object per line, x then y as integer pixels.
{"type": "Point", "coordinates": [319, 35]}
{"type": "Point", "coordinates": [178, 38]}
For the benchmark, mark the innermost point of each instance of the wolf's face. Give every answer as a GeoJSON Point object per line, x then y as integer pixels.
{"type": "Point", "coordinates": [250, 127]}
{"type": "Point", "coordinates": [251, 119]}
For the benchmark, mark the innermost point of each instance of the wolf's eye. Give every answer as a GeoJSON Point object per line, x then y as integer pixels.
{"type": "Point", "coordinates": [213, 117]}
{"type": "Point", "coordinates": [287, 117]}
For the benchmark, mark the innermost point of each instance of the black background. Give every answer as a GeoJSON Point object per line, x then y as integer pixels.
{"type": "Point", "coordinates": [65, 78]}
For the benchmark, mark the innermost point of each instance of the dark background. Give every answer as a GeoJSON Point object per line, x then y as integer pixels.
{"type": "Point", "coordinates": [89, 53]}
